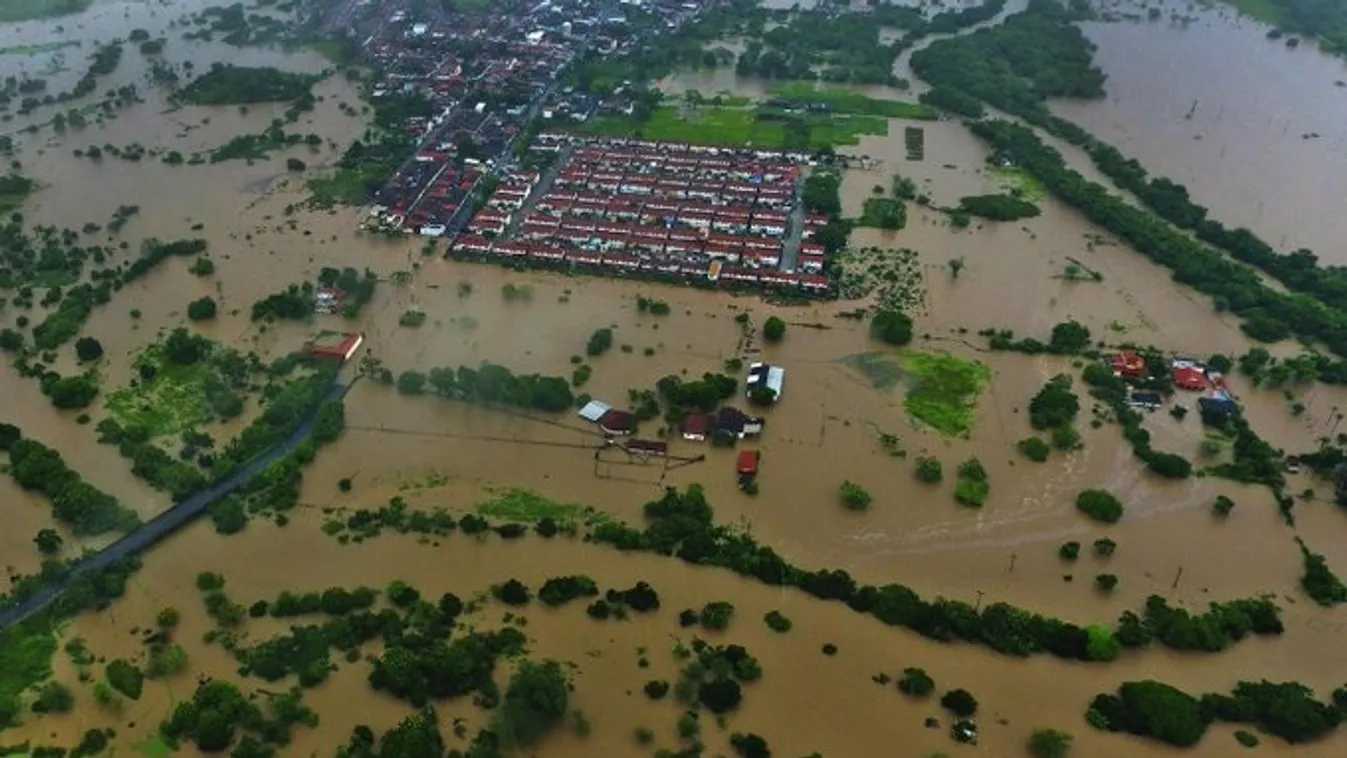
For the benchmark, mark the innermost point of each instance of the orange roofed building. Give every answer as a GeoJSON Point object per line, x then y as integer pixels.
{"type": "Point", "coordinates": [1129, 365]}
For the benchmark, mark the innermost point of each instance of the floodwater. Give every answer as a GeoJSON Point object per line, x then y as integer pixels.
{"type": "Point", "coordinates": [825, 430]}
{"type": "Point", "coordinates": [1265, 139]}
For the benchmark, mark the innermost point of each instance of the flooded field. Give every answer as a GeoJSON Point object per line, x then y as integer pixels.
{"type": "Point", "coordinates": [1255, 136]}
{"type": "Point", "coordinates": [834, 423]}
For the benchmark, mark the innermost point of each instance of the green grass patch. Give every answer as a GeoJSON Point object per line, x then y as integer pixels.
{"type": "Point", "coordinates": [177, 398]}
{"type": "Point", "coordinates": [842, 100]}
{"type": "Point", "coordinates": [880, 368]}
{"type": "Point", "coordinates": [525, 506]}
{"type": "Point", "coordinates": [27, 10]}
{"type": "Point", "coordinates": [1016, 179]}
{"type": "Point", "coordinates": [154, 747]}
{"type": "Point", "coordinates": [1261, 10]}
{"type": "Point", "coordinates": [733, 127]}
{"type": "Point", "coordinates": [943, 390]}
{"type": "Point", "coordinates": [345, 187]}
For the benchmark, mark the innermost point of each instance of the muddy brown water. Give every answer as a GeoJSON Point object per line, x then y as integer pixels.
{"type": "Point", "coordinates": [824, 431]}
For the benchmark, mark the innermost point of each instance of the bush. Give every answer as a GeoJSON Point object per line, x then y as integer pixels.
{"type": "Point", "coordinates": [929, 470]}
{"type": "Point", "coordinates": [960, 702]}
{"type": "Point", "coordinates": [1104, 547]}
{"type": "Point", "coordinates": [1069, 551]}
{"type": "Point", "coordinates": [891, 326]}
{"type": "Point", "coordinates": [512, 592]}
{"type": "Point", "coordinates": [1034, 449]}
{"type": "Point", "coordinates": [773, 329]}
{"type": "Point", "coordinates": [972, 488]}
{"type": "Point", "coordinates": [599, 342]}
{"type": "Point", "coordinates": [535, 701]}
{"type": "Point", "coordinates": [125, 678]}
{"type": "Point", "coordinates": [201, 310]}
{"type": "Point", "coordinates": [716, 616]}
{"type": "Point", "coordinates": [656, 689]}
{"type": "Point", "coordinates": [916, 683]}
{"type": "Point", "coordinates": [1100, 506]}
{"type": "Point", "coordinates": [1049, 743]}
{"type": "Point", "coordinates": [168, 618]}
{"type": "Point", "coordinates": [1153, 709]}
{"type": "Point", "coordinates": [749, 746]}
{"type": "Point", "coordinates": [854, 497]}
{"type": "Point", "coordinates": [1222, 506]}
{"type": "Point", "coordinates": [1055, 404]}
{"type": "Point", "coordinates": [166, 661]}
{"type": "Point", "coordinates": [87, 349]}
{"type": "Point", "coordinates": [1247, 739]}
{"type": "Point", "coordinates": [54, 697]}
{"type": "Point", "coordinates": [777, 622]}
{"type": "Point", "coordinates": [563, 589]}
{"type": "Point", "coordinates": [1105, 582]}
{"type": "Point", "coordinates": [294, 164]}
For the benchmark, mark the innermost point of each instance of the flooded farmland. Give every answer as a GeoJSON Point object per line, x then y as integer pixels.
{"type": "Point", "coordinates": [843, 417]}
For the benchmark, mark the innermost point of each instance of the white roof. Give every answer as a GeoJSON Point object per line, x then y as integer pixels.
{"type": "Point", "coordinates": [594, 410]}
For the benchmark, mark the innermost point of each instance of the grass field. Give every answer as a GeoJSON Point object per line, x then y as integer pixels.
{"type": "Point", "coordinates": [846, 101]}
{"type": "Point", "coordinates": [732, 127]}
{"type": "Point", "coordinates": [879, 367]}
{"type": "Point", "coordinates": [1262, 10]}
{"type": "Point", "coordinates": [26, 10]}
{"type": "Point", "coordinates": [1018, 179]}
{"type": "Point", "coordinates": [529, 507]}
{"type": "Point", "coordinates": [943, 390]}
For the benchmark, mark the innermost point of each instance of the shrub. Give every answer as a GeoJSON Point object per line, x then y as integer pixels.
{"type": "Point", "coordinates": [535, 701]}
{"type": "Point", "coordinates": [749, 746]}
{"type": "Point", "coordinates": [1152, 709]}
{"type": "Point", "coordinates": [1049, 743]}
{"type": "Point", "coordinates": [599, 342]}
{"type": "Point", "coordinates": [1034, 449]}
{"type": "Point", "coordinates": [773, 329]}
{"type": "Point", "coordinates": [54, 697]}
{"type": "Point", "coordinates": [854, 497]}
{"type": "Point", "coordinates": [916, 683]}
{"type": "Point", "coordinates": [125, 678]}
{"type": "Point", "coordinates": [412, 318]}
{"type": "Point", "coordinates": [960, 702]}
{"type": "Point", "coordinates": [891, 326]}
{"type": "Point", "coordinates": [716, 616]}
{"type": "Point", "coordinates": [1106, 582]}
{"type": "Point", "coordinates": [929, 470]}
{"type": "Point", "coordinates": [1069, 551]}
{"type": "Point", "coordinates": [201, 310]}
{"type": "Point", "coordinates": [1247, 739]}
{"type": "Point", "coordinates": [1100, 506]}
{"type": "Point", "coordinates": [1222, 506]}
{"type": "Point", "coordinates": [777, 622]}
{"type": "Point", "coordinates": [86, 349]}
{"type": "Point", "coordinates": [294, 164]}
{"type": "Point", "coordinates": [169, 618]}
{"type": "Point", "coordinates": [512, 592]}
{"type": "Point", "coordinates": [1055, 404]}
{"type": "Point", "coordinates": [1104, 547]}
{"type": "Point", "coordinates": [656, 689]}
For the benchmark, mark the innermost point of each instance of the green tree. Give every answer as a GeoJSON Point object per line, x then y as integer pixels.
{"type": "Point", "coordinates": [202, 309]}
{"type": "Point", "coordinates": [891, 326]}
{"type": "Point", "coordinates": [48, 541]}
{"type": "Point", "coordinates": [599, 342]}
{"type": "Point", "coordinates": [916, 682]}
{"type": "Point", "coordinates": [1069, 338]}
{"type": "Point", "coordinates": [960, 702]}
{"type": "Point", "coordinates": [125, 678]}
{"type": "Point", "coordinates": [1100, 506]}
{"type": "Point", "coordinates": [536, 700]}
{"type": "Point", "coordinates": [1049, 743]}
{"type": "Point", "coordinates": [773, 329]}
{"type": "Point", "coordinates": [854, 497]}
{"type": "Point", "coordinates": [88, 349]}
{"type": "Point", "coordinates": [929, 470]}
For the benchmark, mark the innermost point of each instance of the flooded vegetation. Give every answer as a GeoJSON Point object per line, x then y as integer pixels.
{"type": "Point", "coordinates": [348, 416]}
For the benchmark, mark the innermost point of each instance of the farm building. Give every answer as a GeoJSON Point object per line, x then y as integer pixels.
{"type": "Point", "coordinates": [333, 346]}
{"type": "Point", "coordinates": [695, 426]}
{"type": "Point", "coordinates": [617, 423]}
{"type": "Point", "coordinates": [593, 411]}
{"type": "Point", "coordinates": [763, 376]}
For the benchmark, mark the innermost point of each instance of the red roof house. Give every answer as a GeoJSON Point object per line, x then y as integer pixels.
{"type": "Point", "coordinates": [1189, 378]}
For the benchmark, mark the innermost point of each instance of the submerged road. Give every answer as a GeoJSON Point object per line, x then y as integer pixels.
{"type": "Point", "coordinates": [160, 527]}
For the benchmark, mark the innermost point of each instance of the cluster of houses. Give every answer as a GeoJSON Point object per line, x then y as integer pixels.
{"type": "Point", "coordinates": [1188, 374]}
{"type": "Point", "coordinates": [672, 210]}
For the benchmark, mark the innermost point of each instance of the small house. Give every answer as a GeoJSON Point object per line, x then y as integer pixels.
{"type": "Point", "coordinates": [1190, 378]}
{"type": "Point", "coordinates": [337, 347]}
{"type": "Point", "coordinates": [1128, 365]}
{"type": "Point", "coordinates": [617, 423]}
{"type": "Point", "coordinates": [1216, 410]}
{"type": "Point", "coordinates": [593, 411]}
{"type": "Point", "coordinates": [764, 377]}
{"type": "Point", "coordinates": [695, 426]}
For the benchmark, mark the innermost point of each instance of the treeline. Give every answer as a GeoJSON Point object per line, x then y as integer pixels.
{"type": "Point", "coordinates": [489, 384]}
{"type": "Point", "coordinates": [682, 525]}
{"type": "Point", "coordinates": [997, 207]}
{"type": "Point", "coordinates": [1159, 711]}
{"type": "Point", "coordinates": [284, 412]}
{"type": "Point", "coordinates": [226, 84]}
{"type": "Point", "coordinates": [85, 508]}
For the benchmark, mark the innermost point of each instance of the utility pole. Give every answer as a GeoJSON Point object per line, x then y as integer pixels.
{"type": "Point", "coordinates": [1177, 577]}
